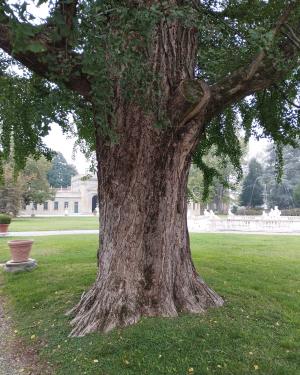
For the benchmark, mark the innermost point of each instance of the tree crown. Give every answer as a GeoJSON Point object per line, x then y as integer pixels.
{"type": "Point", "coordinates": [84, 51]}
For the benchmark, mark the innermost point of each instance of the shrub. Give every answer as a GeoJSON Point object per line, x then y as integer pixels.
{"type": "Point", "coordinates": [5, 219]}
{"type": "Point", "coordinates": [291, 212]}
{"type": "Point", "coordinates": [249, 211]}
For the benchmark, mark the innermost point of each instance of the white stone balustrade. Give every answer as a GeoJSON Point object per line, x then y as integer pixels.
{"type": "Point", "coordinates": [272, 223]}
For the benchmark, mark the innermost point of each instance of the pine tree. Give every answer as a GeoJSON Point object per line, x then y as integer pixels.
{"type": "Point", "coordinates": [252, 189]}
{"type": "Point", "coordinates": [281, 193]}
{"type": "Point", "coordinates": [296, 194]}
{"type": "Point", "coordinates": [61, 172]}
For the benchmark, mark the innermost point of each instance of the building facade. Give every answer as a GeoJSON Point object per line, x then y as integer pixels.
{"type": "Point", "coordinates": [78, 199]}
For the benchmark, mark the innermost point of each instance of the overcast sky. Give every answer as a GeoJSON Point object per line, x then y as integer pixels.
{"type": "Point", "coordinates": [58, 141]}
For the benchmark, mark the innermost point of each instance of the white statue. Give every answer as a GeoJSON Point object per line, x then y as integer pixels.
{"type": "Point", "coordinates": [96, 210]}
{"type": "Point", "coordinates": [277, 212]}
{"type": "Point", "coordinates": [230, 213]}
{"type": "Point", "coordinates": [211, 213]}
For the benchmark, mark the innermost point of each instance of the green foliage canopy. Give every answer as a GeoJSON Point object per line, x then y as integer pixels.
{"type": "Point", "coordinates": [104, 42]}
{"type": "Point", "coordinates": [225, 178]}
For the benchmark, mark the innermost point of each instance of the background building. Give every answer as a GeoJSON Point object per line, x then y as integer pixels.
{"type": "Point", "coordinates": [78, 199]}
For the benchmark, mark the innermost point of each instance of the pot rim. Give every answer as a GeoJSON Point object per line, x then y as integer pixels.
{"type": "Point", "coordinates": [20, 242]}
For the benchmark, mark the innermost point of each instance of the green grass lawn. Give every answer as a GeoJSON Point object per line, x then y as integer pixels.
{"type": "Point", "coordinates": [256, 332]}
{"type": "Point", "coordinates": [23, 224]}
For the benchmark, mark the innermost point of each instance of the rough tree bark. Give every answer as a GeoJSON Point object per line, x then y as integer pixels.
{"type": "Point", "coordinates": [145, 264]}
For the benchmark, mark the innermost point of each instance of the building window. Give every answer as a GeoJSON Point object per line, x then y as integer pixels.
{"type": "Point", "coordinates": [56, 205]}
{"type": "Point", "coordinates": [35, 206]}
{"type": "Point", "coordinates": [45, 206]}
{"type": "Point", "coordinates": [76, 207]}
{"type": "Point", "coordinates": [66, 205]}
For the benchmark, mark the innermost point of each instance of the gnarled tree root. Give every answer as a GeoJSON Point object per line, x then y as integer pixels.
{"type": "Point", "coordinates": [102, 309]}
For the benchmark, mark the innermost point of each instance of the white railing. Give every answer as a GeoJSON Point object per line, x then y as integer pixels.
{"type": "Point", "coordinates": [282, 224]}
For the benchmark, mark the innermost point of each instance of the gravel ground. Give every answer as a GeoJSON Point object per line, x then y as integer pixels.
{"type": "Point", "coordinates": [96, 231]}
{"type": "Point", "coordinates": [15, 357]}
{"type": "Point", "coordinates": [9, 364]}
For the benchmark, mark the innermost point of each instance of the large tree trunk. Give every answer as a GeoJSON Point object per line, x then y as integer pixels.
{"type": "Point", "coordinates": [145, 265]}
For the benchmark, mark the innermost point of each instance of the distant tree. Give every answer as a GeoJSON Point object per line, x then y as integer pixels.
{"type": "Point", "coordinates": [29, 185]}
{"type": "Point", "coordinates": [252, 188]}
{"type": "Point", "coordinates": [11, 191]}
{"type": "Point", "coordinates": [218, 192]}
{"type": "Point", "coordinates": [195, 185]}
{"type": "Point", "coordinates": [224, 179]}
{"type": "Point", "coordinates": [37, 188]}
{"type": "Point", "coordinates": [297, 195]}
{"type": "Point", "coordinates": [61, 172]}
{"type": "Point", "coordinates": [282, 193]}
{"type": "Point", "coordinates": [221, 198]}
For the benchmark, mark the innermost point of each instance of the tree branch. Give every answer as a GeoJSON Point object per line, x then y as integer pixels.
{"type": "Point", "coordinates": [67, 10]}
{"type": "Point", "coordinates": [47, 59]}
{"type": "Point", "coordinates": [287, 98]}
{"type": "Point", "coordinates": [197, 108]}
{"type": "Point", "coordinates": [261, 73]}
{"type": "Point", "coordinates": [217, 16]}
{"type": "Point", "coordinates": [194, 103]}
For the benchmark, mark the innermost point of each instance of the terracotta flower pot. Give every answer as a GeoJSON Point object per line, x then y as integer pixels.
{"type": "Point", "coordinates": [20, 249]}
{"type": "Point", "coordinates": [4, 228]}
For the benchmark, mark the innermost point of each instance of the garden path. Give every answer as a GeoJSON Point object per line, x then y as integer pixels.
{"type": "Point", "coordinates": [9, 363]}
{"type": "Point", "coordinates": [95, 231]}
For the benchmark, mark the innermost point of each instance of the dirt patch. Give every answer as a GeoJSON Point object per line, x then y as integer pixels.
{"type": "Point", "coordinates": [15, 357]}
